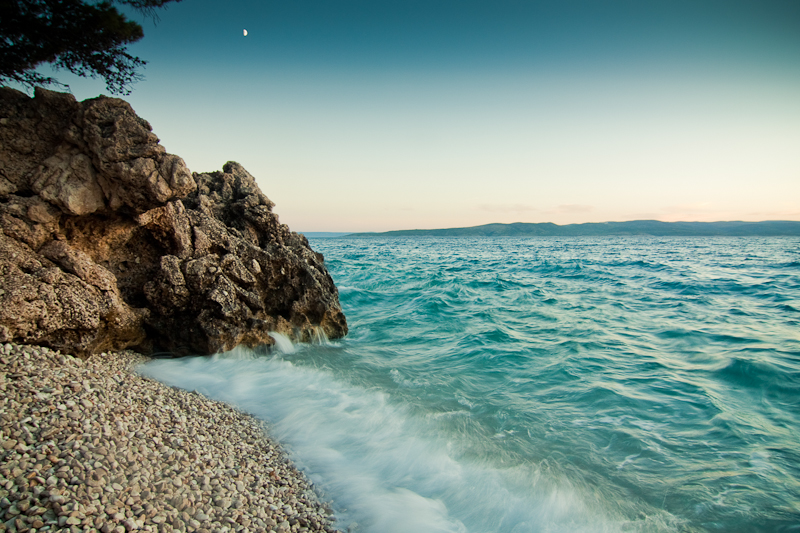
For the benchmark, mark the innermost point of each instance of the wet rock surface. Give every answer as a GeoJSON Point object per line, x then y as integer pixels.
{"type": "Point", "coordinates": [88, 445]}
{"type": "Point", "coordinates": [107, 242]}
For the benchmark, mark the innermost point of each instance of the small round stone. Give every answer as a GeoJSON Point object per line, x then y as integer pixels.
{"type": "Point", "coordinates": [105, 450]}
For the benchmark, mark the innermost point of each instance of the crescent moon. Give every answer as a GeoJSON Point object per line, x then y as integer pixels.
{"type": "Point", "coordinates": [245, 33]}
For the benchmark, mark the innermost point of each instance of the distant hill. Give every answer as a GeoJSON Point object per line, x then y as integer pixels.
{"type": "Point", "coordinates": [323, 234]}
{"type": "Point", "coordinates": [653, 228]}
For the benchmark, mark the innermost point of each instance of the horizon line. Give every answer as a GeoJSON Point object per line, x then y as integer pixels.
{"type": "Point", "coordinates": [560, 225]}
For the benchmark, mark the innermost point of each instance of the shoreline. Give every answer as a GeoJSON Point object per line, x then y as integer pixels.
{"type": "Point", "coordinates": [89, 445]}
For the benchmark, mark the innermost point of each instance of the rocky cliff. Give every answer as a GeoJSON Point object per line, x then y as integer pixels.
{"type": "Point", "coordinates": [108, 242]}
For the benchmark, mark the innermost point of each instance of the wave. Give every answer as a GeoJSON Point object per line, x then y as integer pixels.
{"type": "Point", "coordinates": [388, 469]}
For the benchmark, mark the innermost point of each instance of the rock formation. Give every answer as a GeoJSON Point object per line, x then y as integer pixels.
{"type": "Point", "coordinates": [108, 242]}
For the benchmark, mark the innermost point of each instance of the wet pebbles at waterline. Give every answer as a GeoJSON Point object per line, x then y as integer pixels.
{"type": "Point", "coordinates": [91, 446]}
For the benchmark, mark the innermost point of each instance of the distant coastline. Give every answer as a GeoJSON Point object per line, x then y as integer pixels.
{"type": "Point", "coordinates": [644, 228]}
{"type": "Point", "coordinates": [324, 234]}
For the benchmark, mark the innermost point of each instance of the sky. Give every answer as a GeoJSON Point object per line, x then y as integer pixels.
{"type": "Point", "coordinates": [375, 115]}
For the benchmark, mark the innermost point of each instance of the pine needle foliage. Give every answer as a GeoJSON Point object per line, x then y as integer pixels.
{"type": "Point", "coordinates": [86, 38]}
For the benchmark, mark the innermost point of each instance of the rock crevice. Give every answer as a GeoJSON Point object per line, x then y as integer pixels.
{"type": "Point", "coordinates": [107, 242]}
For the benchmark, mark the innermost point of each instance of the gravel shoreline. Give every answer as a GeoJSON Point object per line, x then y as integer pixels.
{"type": "Point", "coordinates": [88, 445]}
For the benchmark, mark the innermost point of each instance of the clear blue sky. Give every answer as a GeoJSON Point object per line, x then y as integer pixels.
{"type": "Point", "coordinates": [362, 115]}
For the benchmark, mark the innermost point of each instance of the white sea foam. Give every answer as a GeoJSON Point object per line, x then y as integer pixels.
{"type": "Point", "coordinates": [282, 343]}
{"type": "Point", "coordinates": [385, 468]}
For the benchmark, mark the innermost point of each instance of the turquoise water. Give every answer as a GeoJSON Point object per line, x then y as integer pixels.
{"type": "Point", "coordinates": [542, 385]}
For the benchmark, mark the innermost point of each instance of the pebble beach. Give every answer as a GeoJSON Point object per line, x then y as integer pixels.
{"type": "Point", "coordinates": [89, 445]}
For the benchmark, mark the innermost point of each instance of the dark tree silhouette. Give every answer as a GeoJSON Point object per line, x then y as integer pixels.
{"type": "Point", "coordinates": [86, 38]}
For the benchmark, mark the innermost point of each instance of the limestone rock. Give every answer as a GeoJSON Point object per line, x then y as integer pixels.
{"type": "Point", "coordinates": [108, 242]}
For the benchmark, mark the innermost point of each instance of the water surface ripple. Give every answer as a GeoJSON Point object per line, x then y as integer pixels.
{"type": "Point", "coordinates": [574, 384]}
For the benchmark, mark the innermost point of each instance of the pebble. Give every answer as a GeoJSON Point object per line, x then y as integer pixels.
{"type": "Point", "coordinates": [90, 446]}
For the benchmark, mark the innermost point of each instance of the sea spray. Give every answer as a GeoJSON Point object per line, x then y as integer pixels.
{"type": "Point", "coordinates": [386, 469]}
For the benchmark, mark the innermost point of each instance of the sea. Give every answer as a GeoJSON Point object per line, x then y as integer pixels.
{"type": "Point", "coordinates": [614, 384]}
